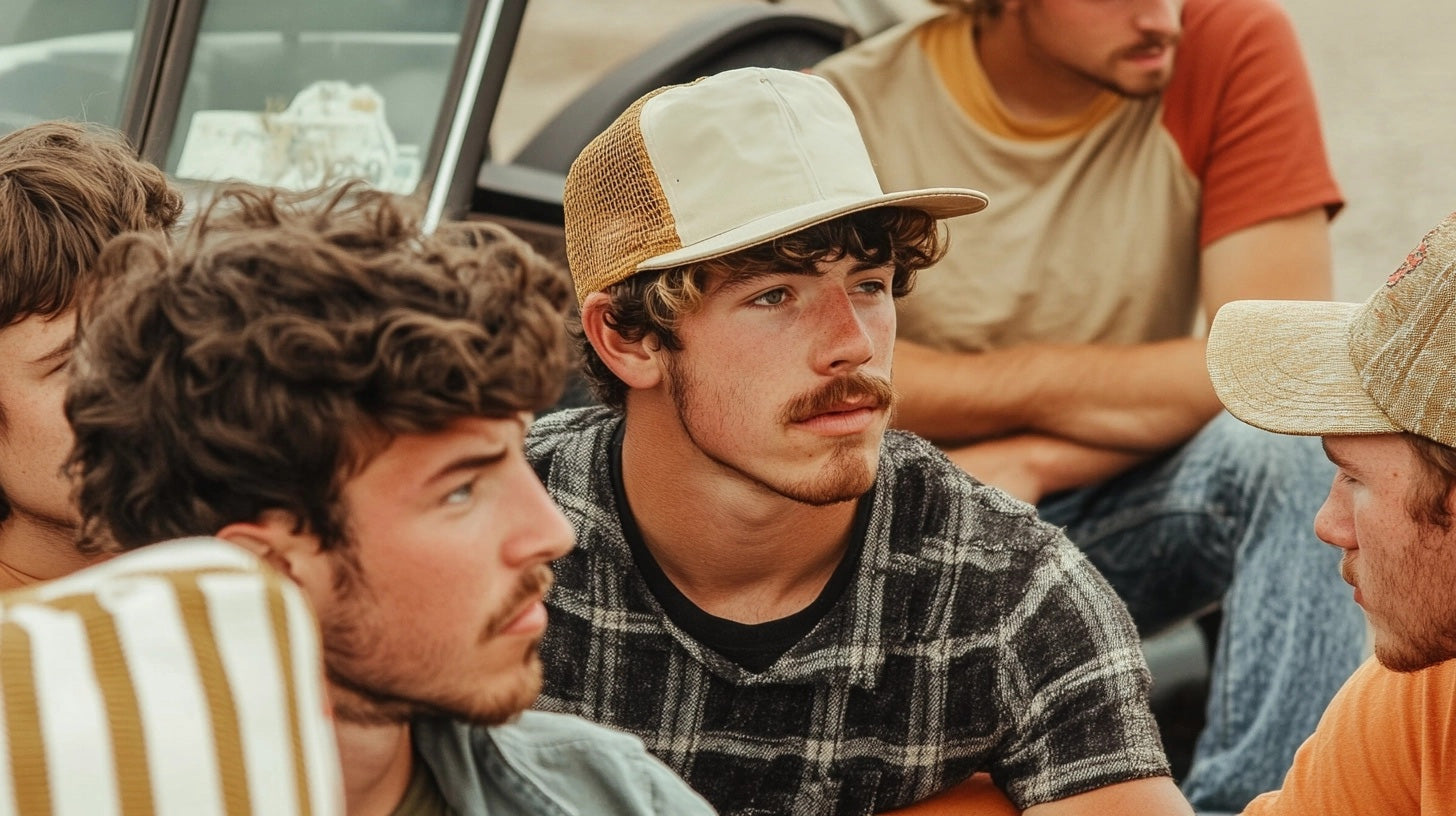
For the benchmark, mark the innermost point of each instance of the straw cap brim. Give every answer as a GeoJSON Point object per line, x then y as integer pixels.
{"type": "Point", "coordinates": [945, 202]}
{"type": "Point", "coordinates": [1285, 366]}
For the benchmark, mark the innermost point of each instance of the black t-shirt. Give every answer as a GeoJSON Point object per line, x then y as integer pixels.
{"type": "Point", "coordinates": [754, 646]}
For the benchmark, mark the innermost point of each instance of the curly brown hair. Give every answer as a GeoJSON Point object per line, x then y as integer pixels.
{"type": "Point", "coordinates": [652, 304]}
{"type": "Point", "coordinates": [260, 364]}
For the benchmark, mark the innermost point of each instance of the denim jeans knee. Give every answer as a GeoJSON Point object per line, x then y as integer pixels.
{"type": "Point", "coordinates": [1228, 518]}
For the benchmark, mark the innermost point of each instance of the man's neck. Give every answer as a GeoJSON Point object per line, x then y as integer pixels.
{"type": "Point", "coordinates": [1030, 86]}
{"type": "Point", "coordinates": [733, 547]}
{"type": "Point", "coordinates": [33, 551]}
{"type": "Point", "coordinates": [377, 761]}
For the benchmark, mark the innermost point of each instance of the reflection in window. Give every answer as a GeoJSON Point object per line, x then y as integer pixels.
{"type": "Point", "coordinates": [295, 93]}
{"type": "Point", "coordinates": [65, 59]}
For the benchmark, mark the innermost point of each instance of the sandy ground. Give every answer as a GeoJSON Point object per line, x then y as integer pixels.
{"type": "Point", "coordinates": [1378, 71]}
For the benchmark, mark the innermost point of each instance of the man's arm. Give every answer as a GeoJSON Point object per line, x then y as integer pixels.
{"type": "Point", "coordinates": [1030, 466]}
{"type": "Point", "coordinates": [1157, 795]}
{"type": "Point", "coordinates": [1135, 398]}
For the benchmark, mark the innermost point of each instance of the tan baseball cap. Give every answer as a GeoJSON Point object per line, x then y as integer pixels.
{"type": "Point", "coordinates": [695, 171]}
{"type": "Point", "coordinates": [1331, 369]}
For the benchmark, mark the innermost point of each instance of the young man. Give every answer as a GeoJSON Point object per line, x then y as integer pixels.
{"type": "Point", "coordinates": [65, 189]}
{"type": "Point", "coordinates": [1145, 157]}
{"type": "Point", "coordinates": [797, 611]}
{"type": "Point", "coordinates": [324, 386]}
{"type": "Point", "coordinates": [1376, 381]}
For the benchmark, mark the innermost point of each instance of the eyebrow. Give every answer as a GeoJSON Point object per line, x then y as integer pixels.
{"type": "Point", "coordinates": [58, 352]}
{"type": "Point", "coordinates": [749, 278]}
{"type": "Point", "coordinates": [467, 463]}
{"type": "Point", "coordinates": [1339, 461]}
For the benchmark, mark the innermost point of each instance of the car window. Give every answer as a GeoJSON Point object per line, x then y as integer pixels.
{"type": "Point", "coordinates": [567, 45]}
{"type": "Point", "coordinates": [65, 59]}
{"type": "Point", "coordinates": [295, 94]}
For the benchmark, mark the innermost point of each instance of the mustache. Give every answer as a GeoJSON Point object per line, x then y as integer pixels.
{"type": "Point", "coordinates": [858, 387]}
{"type": "Point", "coordinates": [1151, 41]}
{"type": "Point", "coordinates": [533, 585]}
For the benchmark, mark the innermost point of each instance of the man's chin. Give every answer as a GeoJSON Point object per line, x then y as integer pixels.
{"type": "Point", "coordinates": [1404, 656]}
{"type": "Point", "coordinates": [374, 711]}
{"type": "Point", "coordinates": [364, 704]}
{"type": "Point", "coordinates": [842, 483]}
{"type": "Point", "coordinates": [1141, 87]}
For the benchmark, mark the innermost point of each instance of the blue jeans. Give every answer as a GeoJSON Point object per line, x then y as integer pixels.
{"type": "Point", "coordinates": [1229, 518]}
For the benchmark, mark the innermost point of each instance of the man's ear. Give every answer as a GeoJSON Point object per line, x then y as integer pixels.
{"type": "Point", "coordinates": [636, 362]}
{"type": "Point", "coordinates": [278, 538]}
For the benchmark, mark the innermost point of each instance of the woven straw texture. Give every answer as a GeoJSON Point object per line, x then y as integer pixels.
{"type": "Point", "coordinates": [1330, 369]}
{"type": "Point", "coordinates": [616, 213]}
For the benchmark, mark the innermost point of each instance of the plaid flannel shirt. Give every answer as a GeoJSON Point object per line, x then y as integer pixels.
{"type": "Point", "coordinates": [975, 637]}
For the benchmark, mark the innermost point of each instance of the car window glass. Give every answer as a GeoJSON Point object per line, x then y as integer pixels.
{"type": "Point", "coordinates": [567, 45]}
{"type": "Point", "coordinates": [295, 94]}
{"type": "Point", "coordinates": [65, 59]}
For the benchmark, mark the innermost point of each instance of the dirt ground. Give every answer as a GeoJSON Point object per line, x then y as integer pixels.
{"type": "Point", "coordinates": [1379, 72]}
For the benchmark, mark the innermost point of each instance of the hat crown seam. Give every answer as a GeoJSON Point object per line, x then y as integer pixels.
{"type": "Point", "coordinates": [796, 132]}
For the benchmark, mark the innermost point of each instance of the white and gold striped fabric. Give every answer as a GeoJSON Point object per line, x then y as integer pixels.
{"type": "Point", "coordinates": [181, 679]}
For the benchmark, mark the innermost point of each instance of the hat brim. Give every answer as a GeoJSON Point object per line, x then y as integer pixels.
{"type": "Point", "coordinates": [1285, 366]}
{"type": "Point", "coordinates": [945, 202]}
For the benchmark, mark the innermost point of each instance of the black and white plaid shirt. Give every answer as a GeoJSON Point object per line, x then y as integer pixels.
{"type": "Point", "coordinates": [974, 637]}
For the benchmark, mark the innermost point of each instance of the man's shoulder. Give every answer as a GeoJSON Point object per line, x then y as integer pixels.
{"type": "Point", "coordinates": [541, 732]}
{"type": "Point", "coordinates": [570, 431]}
{"type": "Point", "coordinates": [570, 422]}
{"type": "Point", "coordinates": [559, 758]}
{"type": "Point", "coordinates": [925, 488]}
{"type": "Point", "coordinates": [1215, 29]}
{"type": "Point", "coordinates": [1200, 13]}
{"type": "Point", "coordinates": [870, 61]}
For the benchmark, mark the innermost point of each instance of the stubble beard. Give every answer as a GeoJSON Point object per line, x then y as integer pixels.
{"type": "Point", "coordinates": [845, 477]}
{"type": "Point", "coordinates": [1409, 646]}
{"type": "Point", "coordinates": [365, 693]}
{"type": "Point", "coordinates": [1106, 79]}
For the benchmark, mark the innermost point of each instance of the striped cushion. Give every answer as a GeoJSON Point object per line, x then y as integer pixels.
{"type": "Point", "coordinates": [182, 678]}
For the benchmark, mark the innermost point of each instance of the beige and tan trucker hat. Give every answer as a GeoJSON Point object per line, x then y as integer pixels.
{"type": "Point", "coordinates": [695, 171]}
{"type": "Point", "coordinates": [1331, 369]}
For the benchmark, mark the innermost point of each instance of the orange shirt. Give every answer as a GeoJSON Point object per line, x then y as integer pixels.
{"type": "Point", "coordinates": [1386, 746]}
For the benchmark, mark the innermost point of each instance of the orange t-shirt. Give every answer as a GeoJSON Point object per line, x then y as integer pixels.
{"type": "Point", "coordinates": [1386, 746]}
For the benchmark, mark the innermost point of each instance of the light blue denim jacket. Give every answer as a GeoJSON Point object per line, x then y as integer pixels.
{"type": "Point", "coordinates": [552, 765]}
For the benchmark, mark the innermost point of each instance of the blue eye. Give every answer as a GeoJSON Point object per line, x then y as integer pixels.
{"type": "Point", "coordinates": [773, 297]}
{"type": "Point", "coordinates": [461, 494]}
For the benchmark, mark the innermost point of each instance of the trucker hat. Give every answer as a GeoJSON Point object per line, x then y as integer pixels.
{"type": "Point", "coordinates": [696, 171]}
{"type": "Point", "coordinates": [1333, 369]}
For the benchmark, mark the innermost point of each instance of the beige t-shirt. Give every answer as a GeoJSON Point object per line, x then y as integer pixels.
{"type": "Point", "coordinates": [1096, 223]}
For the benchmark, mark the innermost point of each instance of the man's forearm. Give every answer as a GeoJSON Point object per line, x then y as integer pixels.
{"type": "Point", "coordinates": [1032, 466]}
{"type": "Point", "coordinates": [1139, 398]}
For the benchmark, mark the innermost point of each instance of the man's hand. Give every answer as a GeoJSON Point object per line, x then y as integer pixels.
{"type": "Point", "coordinates": [1146, 397]}
{"type": "Point", "coordinates": [1030, 466]}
